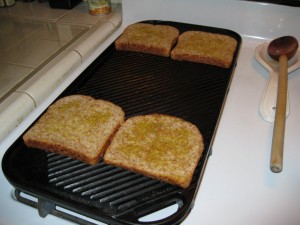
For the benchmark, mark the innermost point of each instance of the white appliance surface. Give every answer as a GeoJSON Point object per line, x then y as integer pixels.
{"type": "Point", "coordinates": [238, 186]}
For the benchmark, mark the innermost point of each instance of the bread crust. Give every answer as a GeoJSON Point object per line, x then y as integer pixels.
{"type": "Point", "coordinates": [159, 146]}
{"type": "Point", "coordinates": [76, 126]}
{"type": "Point", "coordinates": [148, 38]}
{"type": "Point", "coordinates": [205, 47]}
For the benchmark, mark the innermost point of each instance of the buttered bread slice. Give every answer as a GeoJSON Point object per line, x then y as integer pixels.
{"type": "Point", "coordinates": [205, 47]}
{"type": "Point", "coordinates": [160, 146]}
{"type": "Point", "coordinates": [77, 126]}
{"type": "Point", "coordinates": [148, 38]}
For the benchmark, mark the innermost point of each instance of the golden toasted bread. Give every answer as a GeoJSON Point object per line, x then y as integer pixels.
{"type": "Point", "coordinates": [204, 47]}
{"type": "Point", "coordinates": [160, 146]}
{"type": "Point", "coordinates": [148, 38]}
{"type": "Point", "coordinates": [76, 126]}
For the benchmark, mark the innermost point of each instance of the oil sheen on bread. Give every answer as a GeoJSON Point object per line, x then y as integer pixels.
{"type": "Point", "coordinates": [205, 47]}
{"type": "Point", "coordinates": [76, 126]}
{"type": "Point", "coordinates": [160, 146]}
{"type": "Point", "coordinates": [148, 38]}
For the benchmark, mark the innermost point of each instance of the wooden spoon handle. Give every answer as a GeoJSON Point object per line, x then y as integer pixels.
{"type": "Point", "coordinates": [279, 124]}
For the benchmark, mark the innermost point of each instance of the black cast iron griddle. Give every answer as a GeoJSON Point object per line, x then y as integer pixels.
{"type": "Point", "coordinates": [140, 84]}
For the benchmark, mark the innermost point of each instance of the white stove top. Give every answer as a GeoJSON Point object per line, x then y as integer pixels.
{"type": "Point", "coordinates": [238, 186]}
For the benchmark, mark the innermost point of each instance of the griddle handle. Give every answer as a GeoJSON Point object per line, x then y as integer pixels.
{"type": "Point", "coordinates": [184, 201]}
{"type": "Point", "coordinates": [44, 208]}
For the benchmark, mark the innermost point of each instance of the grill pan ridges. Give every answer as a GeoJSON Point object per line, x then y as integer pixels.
{"type": "Point", "coordinates": [140, 84]}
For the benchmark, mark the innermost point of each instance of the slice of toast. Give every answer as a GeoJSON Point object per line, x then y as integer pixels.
{"type": "Point", "coordinates": [148, 38]}
{"type": "Point", "coordinates": [160, 146]}
{"type": "Point", "coordinates": [77, 126]}
{"type": "Point", "coordinates": [204, 47]}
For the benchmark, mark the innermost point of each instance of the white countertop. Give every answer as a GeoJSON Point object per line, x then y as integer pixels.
{"type": "Point", "coordinates": [64, 38]}
{"type": "Point", "coordinates": [238, 186]}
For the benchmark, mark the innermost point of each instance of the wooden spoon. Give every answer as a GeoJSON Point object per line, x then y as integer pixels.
{"type": "Point", "coordinates": [280, 49]}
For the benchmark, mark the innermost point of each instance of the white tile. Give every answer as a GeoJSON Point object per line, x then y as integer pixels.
{"type": "Point", "coordinates": [17, 26]}
{"type": "Point", "coordinates": [7, 41]}
{"type": "Point", "coordinates": [13, 111]}
{"type": "Point", "coordinates": [10, 76]}
{"type": "Point", "coordinates": [115, 17]}
{"type": "Point", "coordinates": [81, 15]}
{"type": "Point", "coordinates": [31, 34]}
{"type": "Point", "coordinates": [58, 32]}
{"type": "Point", "coordinates": [94, 38]}
{"type": "Point", "coordinates": [15, 30]}
{"type": "Point", "coordinates": [48, 78]}
{"type": "Point", "coordinates": [31, 52]}
{"type": "Point", "coordinates": [33, 10]}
